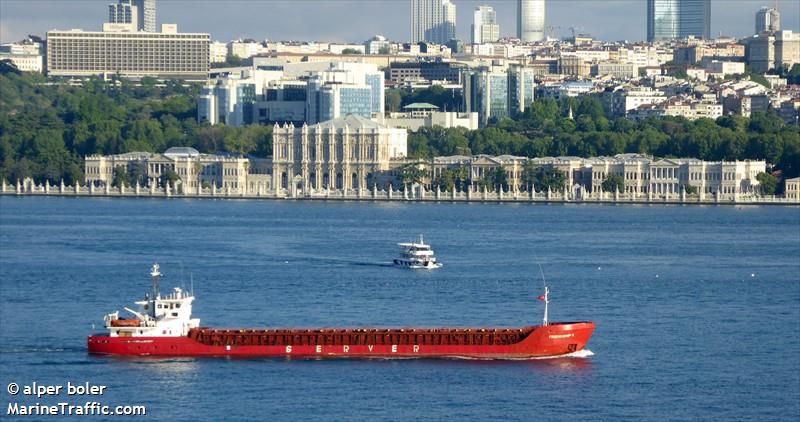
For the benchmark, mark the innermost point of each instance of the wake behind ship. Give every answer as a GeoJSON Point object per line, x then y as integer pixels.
{"type": "Point", "coordinates": [165, 327]}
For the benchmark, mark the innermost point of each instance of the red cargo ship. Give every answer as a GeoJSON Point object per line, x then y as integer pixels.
{"type": "Point", "coordinates": [166, 328]}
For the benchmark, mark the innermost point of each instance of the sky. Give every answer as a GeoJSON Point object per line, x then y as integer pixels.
{"type": "Point", "coordinates": [358, 20]}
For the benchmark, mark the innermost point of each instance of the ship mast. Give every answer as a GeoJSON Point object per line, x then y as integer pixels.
{"type": "Point", "coordinates": [156, 294]}
{"type": "Point", "coordinates": [546, 302]}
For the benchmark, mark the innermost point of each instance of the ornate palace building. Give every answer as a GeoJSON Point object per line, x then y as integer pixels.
{"type": "Point", "coordinates": [345, 153]}
{"type": "Point", "coordinates": [194, 170]}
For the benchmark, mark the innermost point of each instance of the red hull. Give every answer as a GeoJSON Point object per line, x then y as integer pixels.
{"type": "Point", "coordinates": [552, 340]}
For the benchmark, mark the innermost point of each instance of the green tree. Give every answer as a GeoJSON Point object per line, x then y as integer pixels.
{"type": "Point", "coordinates": [613, 183]}
{"type": "Point", "coordinates": [768, 183]}
{"type": "Point", "coordinates": [120, 176]}
{"type": "Point", "coordinates": [412, 173]}
{"type": "Point", "coordinates": [542, 177]}
{"type": "Point", "coordinates": [393, 100]}
{"type": "Point", "coordinates": [495, 178]}
{"type": "Point", "coordinates": [351, 51]}
{"type": "Point", "coordinates": [169, 176]}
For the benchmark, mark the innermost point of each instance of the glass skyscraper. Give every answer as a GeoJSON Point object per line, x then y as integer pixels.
{"type": "Point", "coordinates": [530, 20]}
{"type": "Point", "coordinates": [668, 19]}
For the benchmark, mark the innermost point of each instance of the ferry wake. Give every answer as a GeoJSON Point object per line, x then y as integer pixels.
{"type": "Point", "coordinates": [164, 326]}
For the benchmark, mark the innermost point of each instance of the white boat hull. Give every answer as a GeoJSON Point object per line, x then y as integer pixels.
{"type": "Point", "coordinates": [417, 265]}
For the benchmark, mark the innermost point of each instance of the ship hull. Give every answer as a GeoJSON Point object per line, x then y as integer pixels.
{"type": "Point", "coordinates": [553, 340]}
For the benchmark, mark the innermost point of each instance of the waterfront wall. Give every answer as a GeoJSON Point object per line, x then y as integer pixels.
{"type": "Point", "coordinates": [415, 194]}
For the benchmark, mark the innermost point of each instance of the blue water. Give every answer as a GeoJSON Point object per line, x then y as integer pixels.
{"type": "Point", "coordinates": [697, 308]}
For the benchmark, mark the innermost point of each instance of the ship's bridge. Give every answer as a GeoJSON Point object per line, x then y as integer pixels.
{"type": "Point", "coordinates": [162, 316]}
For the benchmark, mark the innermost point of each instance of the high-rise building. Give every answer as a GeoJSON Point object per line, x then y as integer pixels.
{"type": "Point", "coordinates": [141, 14]}
{"type": "Point", "coordinates": [484, 25]}
{"type": "Point", "coordinates": [530, 20]}
{"type": "Point", "coordinates": [668, 19]}
{"type": "Point", "coordinates": [448, 29]}
{"type": "Point", "coordinates": [123, 12]}
{"type": "Point", "coordinates": [768, 20]}
{"type": "Point", "coordinates": [433, 21]}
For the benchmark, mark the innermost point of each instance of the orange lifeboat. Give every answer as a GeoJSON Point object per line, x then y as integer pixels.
{"type": "Point", "coordinates": [125, 323]}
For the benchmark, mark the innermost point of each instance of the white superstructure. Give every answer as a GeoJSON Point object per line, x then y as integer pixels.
{"type": "Point", "coordinates": [417, 256]}
{"type": "Point", "coordinates": [160, 316]}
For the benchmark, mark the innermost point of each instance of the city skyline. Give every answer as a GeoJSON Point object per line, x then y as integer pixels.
{"type": "Point", "coordinates": [612, 20]}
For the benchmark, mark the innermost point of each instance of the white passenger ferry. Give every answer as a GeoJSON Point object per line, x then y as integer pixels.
{"type": "Point", "coordinates": [416, 255]}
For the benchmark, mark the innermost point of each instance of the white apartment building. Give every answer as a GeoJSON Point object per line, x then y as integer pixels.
{"type": "Point", "coordinates": [432, 21]}
{"type": "Point", "coordinates": [217, 52]}
{"type": "Point", "coordinates": [622, 101]}
{"type": "Point", "coordinates": [24, 62]}
{"type": "Point", "coordinates": [484, 25]}
{"type": "Point", "coordinates": [725, 68]}
{"type": "Point", "coordinates": [244, 49]}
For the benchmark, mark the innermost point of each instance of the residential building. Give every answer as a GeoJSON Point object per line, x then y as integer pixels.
{"type": "Point", "coordinates": [432, 21]}
{"type": "Point", "coordinates": [194, 170]}
{"type": "Point", "coordinates": [166, 54]}
{"type": "Point", "coordinates": [790, 111]}
{"type": "Point", "coordinates": [671, 19]}
{"type": "Point", "coordinates": [484, 25]}
{"type": "Point", "coordinates": [429, 71]}
{"type": "Point", "coordinates": [574, 66]}
{"type": "Point", "coordinates": [760, 52]}
{"type": "Point", "coordinates": [768, 19]}
{"type": "Point", "coordinates": [725, 68]}
{"type": "Point", "coordinates": [378, 45]}
{"type": "Point", "coordinates": [26, 55]}
{"type": "Point", "coordinates": [217, 52]}
{"type": "Point", "coordinates": [689, 109]}
{"type": "Point", "coordinates": [244, 49]}
{"type": "Point", "coordinates": [767, 51]}
{"type": "Point", "coordinates": [531, 20]}
{"type": "Point", "coordinates": [615, 70]}
{"type": "Point", "coordinates": [745, 105]}
{"type": "Point", "coordinates": [619, 102]}
{"type": "Point", "coordinates": [140, 14]}
{"type": "Point", "coordinates": [448, 22]}
{"type": "Point", "coordinates": [787, 48]}
{"type": "Point", "coordinates": [344, 153]}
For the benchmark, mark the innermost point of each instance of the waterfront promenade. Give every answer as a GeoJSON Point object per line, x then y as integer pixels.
{"type": "Point", "coordinates": [409, 194]}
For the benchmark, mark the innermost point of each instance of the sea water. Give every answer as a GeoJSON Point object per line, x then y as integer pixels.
{"type": "Point", "coordinates": [697, 307]}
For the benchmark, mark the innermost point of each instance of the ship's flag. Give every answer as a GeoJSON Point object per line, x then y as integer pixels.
{"type": "Point", "coordinates": [541, 297]}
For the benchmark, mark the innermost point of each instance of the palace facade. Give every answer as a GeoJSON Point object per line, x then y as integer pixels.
{"type": "Point", "coordinates": [347, 153]}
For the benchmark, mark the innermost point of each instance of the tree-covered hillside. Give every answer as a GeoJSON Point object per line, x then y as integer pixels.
{"type": "Point", "coordinates": [46, 127]}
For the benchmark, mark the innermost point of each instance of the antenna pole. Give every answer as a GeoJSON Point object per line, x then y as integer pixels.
{"type": "Point", "coordinates": [546, 302]}
{"type": "Point", "coordinates": [156, 275]}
